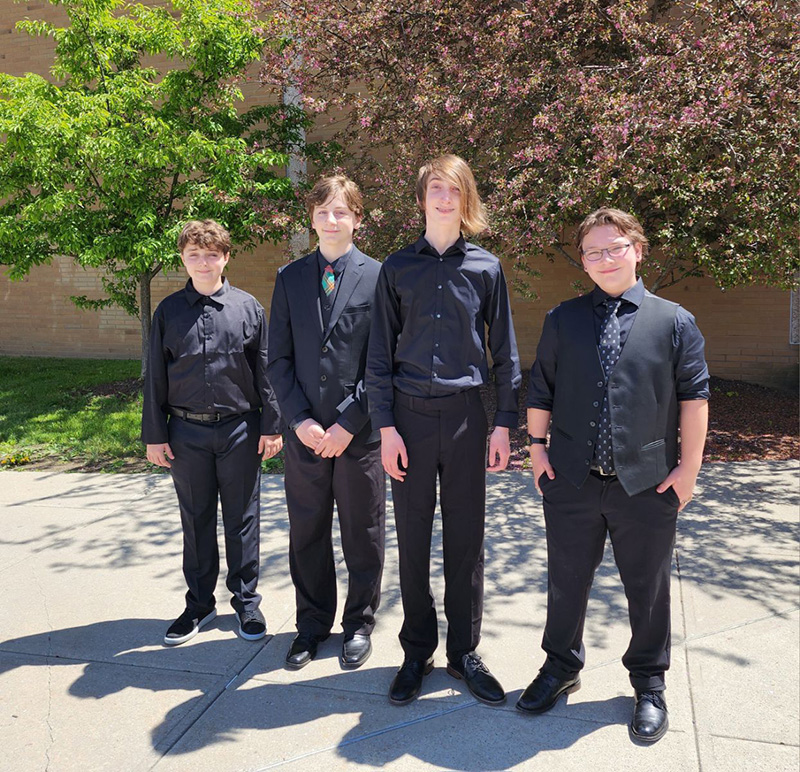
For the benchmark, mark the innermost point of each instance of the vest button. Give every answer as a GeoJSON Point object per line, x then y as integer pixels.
{"type": "Point", "coordinates": [595, 404]}
{"type": "Point", "coordinates": [324, 349]}
{"type": "Point", "coordinates": [588, 442]}
{"type": "Point", "coordinates": [587, 462]}
{"type": "Point", "coordinates": [323, 377]}
{"type": "Point", "coordinates": [592, 423]}
{"type": "Point", "coordinates": [599, 384]}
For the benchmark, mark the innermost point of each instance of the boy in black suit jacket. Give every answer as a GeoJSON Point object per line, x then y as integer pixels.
{"type": "Point", "coordinates": [318, 333]}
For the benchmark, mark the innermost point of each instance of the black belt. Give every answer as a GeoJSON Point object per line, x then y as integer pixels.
{"type": "Point", "coordinates": [598, 471]}
{"type": "Point", "coordinates": [203, 418]}
{"type": "Point", "coordinates": [435, 404]}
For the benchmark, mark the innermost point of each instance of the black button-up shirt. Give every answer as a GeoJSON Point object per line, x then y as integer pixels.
{"type": "Point", "coordinates": [691, 371]}
{"type": "Point", "coordinates": [428, 329]}
{"type": "Point", "coordinates": [208, 354]}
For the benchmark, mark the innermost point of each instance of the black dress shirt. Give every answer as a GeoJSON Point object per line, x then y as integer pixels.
{"type": "Point", "coordinates": [326, 301]}
{"type": "Point", "coordinates": [208, 354]}
{"type": "Point", "coordinates": [428, 329]}
{"type": "Point", "coordinates": [691, 371]}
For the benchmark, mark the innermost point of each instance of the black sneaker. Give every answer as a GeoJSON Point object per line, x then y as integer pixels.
{"type": "Point", "coordinates": [187, 625]}
{"type": "Point", "coordinates": [252, 624]}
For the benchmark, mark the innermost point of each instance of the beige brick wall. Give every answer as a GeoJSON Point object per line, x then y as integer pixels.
{"type": "Point", "coordinates": [746, 330]}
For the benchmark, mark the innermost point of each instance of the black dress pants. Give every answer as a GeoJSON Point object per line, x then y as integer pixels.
{"type": "Point", "coordinates": [445, 437]}
{"type": "Point", "coordinates": [642, 532]}
{"type": "Point", "coordinates": [357, 483]}
{"type": "Point", "coordinates": [218, 461]}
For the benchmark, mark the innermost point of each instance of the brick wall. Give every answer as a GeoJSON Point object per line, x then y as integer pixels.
{"type": "Point", "coordinates": [746, 330]}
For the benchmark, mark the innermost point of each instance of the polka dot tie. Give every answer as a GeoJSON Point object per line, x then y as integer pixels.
{"type": "Point", "coordinates": [609, 354]}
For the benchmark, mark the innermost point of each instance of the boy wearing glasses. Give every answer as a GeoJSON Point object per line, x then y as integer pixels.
{"type": "Point", "coordinates": [620, 373]}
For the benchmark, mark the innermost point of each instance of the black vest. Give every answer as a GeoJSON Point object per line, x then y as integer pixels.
{"type": "Point", "coordinates": [642, 401]}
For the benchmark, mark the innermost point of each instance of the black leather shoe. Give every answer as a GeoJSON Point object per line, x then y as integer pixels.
{"type": "Point", "coordinates": [481, 683]}
{"type": "Point", "coordinates": [355, 651]}
{"type": "Point", "coordinates": [407, 684]}
{"type": "Point", "coordinates": [543, 692]}
{"type": "Point", "coordinates": [650, 720]}
{"type": "Point", "coordinates": [303, 649]}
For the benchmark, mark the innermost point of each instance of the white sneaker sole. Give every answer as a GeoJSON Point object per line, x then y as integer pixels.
{"type": "Point", "coordinates": [191, 634]}
{"type": "Point", "coordinates": [248, 637]}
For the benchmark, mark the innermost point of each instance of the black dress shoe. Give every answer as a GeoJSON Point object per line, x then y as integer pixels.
{"type": "Point", "coordinates": [482, 684]}
{"type": "Point", "coordinates": [407, 684]}
{"type": "Point", "coordinates": [303, 649]}
{"type": "Point", "coordinates": [355, 651]}
{"type": "Point", "coordinates": [543, 692]}
{"type": "Point", "coordinates": [650, 720]}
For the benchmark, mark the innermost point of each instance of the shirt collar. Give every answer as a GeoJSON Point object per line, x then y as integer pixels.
{"type": "Point", "coordinates": [422, 245]}
{"type": "Point", "coordinates": [338, 265]}
{"type": "Point", "coordinates": [193, 296]}
{"type": "Point", "coordinates": [633, 295]}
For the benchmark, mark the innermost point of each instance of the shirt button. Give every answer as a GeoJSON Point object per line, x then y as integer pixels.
{"type": "Point", "coordinates": [324, 349]}
{"type": "Point", "coordinates": [438, 316]}
{"type": "Point", "coordinates": [595, 404]}
{"type": "Point", "coordinates": [441, 259]}
{"type": "Point", "coordinates": [436, 345]}
{"type": "Point", "coordinates": [323, 377]}
{"type": "Point", "coordinates": [435, 375]}
{"type": "Point", "coordinates": [438, 286]}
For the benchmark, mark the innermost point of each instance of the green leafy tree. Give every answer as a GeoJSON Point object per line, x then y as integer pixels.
{"type": "Point", "coordinates": [682, 111]}
{"type": "Point", "coordinates": [136, 132]}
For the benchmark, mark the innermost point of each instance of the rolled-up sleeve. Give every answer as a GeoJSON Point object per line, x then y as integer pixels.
{"type": "Point", "coordinates": [691, 370]}
{"type": "Point", "coordinates": [542, 382]}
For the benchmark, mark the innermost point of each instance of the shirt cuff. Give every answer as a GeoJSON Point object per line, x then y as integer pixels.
{"type": "Point", "coordinates": [298, 419]}
{"type": "Point", "coordinates": [506, 418]}
{"type": "Point", "coordinates": [382, 420]}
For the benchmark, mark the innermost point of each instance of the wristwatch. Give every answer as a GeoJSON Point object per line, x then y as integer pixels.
{"type": "Point", "coordinates": [536, 440]}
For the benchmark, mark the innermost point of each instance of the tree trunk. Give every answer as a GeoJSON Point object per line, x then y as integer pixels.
{"type": "Point", "coordinates": [145, 317]}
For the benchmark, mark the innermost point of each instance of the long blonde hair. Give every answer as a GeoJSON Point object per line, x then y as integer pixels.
{"type": "Point", "coordinates": [456, 171]}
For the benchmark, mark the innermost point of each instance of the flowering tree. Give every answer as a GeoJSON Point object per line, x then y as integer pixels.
{"type": "Point", "coordinates": [106, 161]}
{"type": "Point", "coordinates": [682, 112]}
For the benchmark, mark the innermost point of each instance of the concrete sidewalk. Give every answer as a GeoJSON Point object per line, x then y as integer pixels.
{"type": "Point", "coordinates": [90, 570]}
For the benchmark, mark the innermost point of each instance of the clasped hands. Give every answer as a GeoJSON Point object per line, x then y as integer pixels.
{"type": "Point", "coordinates": [327, 443]}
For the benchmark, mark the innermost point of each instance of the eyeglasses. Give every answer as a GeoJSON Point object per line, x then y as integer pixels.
{"type": "Point", "coordinates": [593, 255]}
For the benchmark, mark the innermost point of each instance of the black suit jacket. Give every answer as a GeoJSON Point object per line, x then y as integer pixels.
{"type": "Point", "coordinates": [315, 371]}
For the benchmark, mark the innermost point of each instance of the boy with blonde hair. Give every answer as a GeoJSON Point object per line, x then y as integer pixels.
{"type": "Point", "coordinates": [210, 416]}
{"type": "Point", "coordinates": [435, 302]}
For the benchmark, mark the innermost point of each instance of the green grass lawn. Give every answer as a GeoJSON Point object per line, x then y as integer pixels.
{"type": "Point", "coordinates": [83, 413]}
{"type": "Point", "coordinates": [53, 409]}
